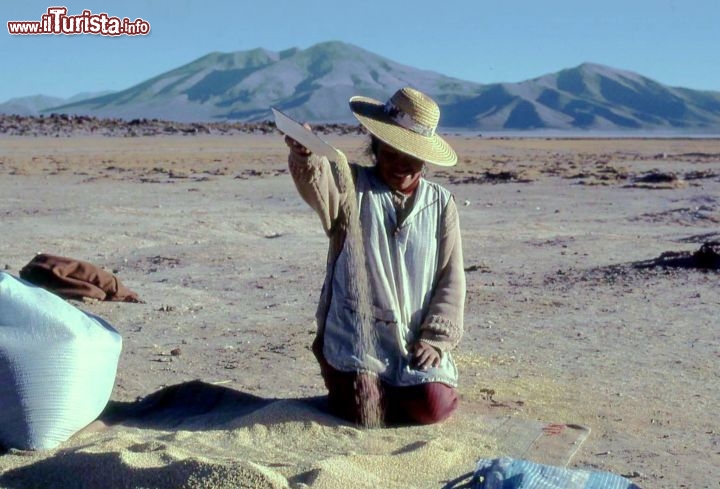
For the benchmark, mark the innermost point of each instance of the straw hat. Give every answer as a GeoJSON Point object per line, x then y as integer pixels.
{"type": "Point", "coordinates": [406, 122]}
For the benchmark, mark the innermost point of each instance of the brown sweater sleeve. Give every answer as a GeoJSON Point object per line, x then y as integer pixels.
{"type": "Point", "coordinates": [443, 325]}
{"type": "Point", "coordinates": [318, 186]}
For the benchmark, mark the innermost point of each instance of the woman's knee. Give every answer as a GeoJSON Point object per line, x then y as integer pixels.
{"type": "Point", "coordinates": [440, 402]}
{"type": "Point", "coordinates": [422, 404]}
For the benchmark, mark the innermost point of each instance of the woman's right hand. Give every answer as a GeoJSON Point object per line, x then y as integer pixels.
{"type": "Point", "coordinates": [296, 147]}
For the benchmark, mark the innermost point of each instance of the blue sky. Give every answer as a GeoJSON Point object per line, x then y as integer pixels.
{"type": "Point", "coordinates": [675, 42]}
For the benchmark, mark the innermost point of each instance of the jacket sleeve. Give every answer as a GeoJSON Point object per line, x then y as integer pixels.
{"type": "Point", "coordinates": [317, 183]}
{"type": "Point", "coordinates": [443, 324]}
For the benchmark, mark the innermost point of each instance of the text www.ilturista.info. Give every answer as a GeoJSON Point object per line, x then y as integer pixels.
{"type": "Point", "coordinates": [56, 21]}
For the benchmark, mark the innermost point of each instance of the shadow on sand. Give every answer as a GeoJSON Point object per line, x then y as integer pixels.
{"type": "Point", "coordinates": [175, 405]}
{"type": "Point", "coordinates": [190, 406]}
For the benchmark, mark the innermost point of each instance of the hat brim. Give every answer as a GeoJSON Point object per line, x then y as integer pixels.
{"type": "Point", "coordinates": [431, 149]}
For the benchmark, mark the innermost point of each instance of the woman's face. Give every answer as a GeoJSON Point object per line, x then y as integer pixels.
{"type": "Point", "coordinates": [398, 170]}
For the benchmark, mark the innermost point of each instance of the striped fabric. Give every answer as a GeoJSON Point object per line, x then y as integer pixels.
{"type": "Point", "coordinates": [508, 473]}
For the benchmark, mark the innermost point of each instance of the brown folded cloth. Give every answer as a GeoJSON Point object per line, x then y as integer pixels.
{"type": "Point", "coordinates": [74, 279]}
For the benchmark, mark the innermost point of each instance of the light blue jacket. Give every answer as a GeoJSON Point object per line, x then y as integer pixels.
{"type": "Point", "coordinates": [401, 262]}
{"type": "Point", "coordinates": [414, 269]}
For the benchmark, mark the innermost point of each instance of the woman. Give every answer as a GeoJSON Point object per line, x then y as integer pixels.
{"type": "Point", "coordinates": [409, 239]}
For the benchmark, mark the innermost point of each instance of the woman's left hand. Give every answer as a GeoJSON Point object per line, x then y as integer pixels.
{"type": "Point", "coordinates": [424, 356]}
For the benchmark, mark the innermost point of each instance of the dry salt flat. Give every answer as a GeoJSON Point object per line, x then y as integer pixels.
{"type": "Point", "coordinates": [581, 311]}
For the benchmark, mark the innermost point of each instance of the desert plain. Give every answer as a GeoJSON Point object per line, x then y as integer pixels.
{"type": "Point", "coordinates": [584, 306]}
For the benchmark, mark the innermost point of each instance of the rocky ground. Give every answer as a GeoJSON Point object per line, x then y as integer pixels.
{"type": "Point", "coordinates": [593, 284]}
{"type": "Point", "coordinates": [63, 125]}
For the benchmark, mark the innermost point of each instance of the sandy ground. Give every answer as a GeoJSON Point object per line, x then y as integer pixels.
{"type": "Point", "coordinates": [560, 324]}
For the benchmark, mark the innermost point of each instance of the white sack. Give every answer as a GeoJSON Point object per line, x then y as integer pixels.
{"type": "Point", "coordinates": [57, 366]}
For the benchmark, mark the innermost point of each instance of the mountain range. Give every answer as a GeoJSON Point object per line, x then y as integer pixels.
{"type": "Point", "coordinates": [314, 85]}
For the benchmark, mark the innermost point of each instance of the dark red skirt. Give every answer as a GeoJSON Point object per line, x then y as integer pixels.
{"type": "Point", "coordinates": [348, 392]}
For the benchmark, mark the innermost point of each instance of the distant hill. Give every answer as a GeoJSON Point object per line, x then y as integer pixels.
{"type": "Point", "coordinates": [589, 96]}
{"type": "Point", "coordinates": [31, 105]}
{"type": "Point", "coordinates": [36, 104]}
{"type": "Point", "coordinates": [314, 85]}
